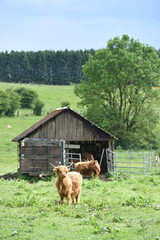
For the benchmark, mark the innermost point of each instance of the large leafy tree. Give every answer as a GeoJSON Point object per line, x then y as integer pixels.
{"type": "Point", "coordinates": [117, 90]}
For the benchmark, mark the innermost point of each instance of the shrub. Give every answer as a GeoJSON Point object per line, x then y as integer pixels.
{"type": "Point", "coordinates": [38, 106]}
{"type": "Point", "coordinates": [27, 97]}
{"type": "Point", "coordinates": [65, 104]}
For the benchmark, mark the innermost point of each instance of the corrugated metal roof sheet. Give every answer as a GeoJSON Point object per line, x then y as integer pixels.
{"type": "Point", "coordinates": [47, 118]}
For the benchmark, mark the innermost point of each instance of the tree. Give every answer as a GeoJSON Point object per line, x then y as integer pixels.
{"type": "Point", "coordinates": [13, 102]}
{"type": "Point", "coordinates": [117, 92]}
{"type": "Point", "coordinates": [43, 67]}
{"type": "Point", "coordinates": [37, 108]}
{"type": "Point", "coordinates": [27, 97]}
{"type": "Point", "coordinates": [4, 102]}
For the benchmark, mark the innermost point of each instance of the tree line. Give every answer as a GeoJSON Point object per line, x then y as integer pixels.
{"type": "Point", "coordinates": [43, 67]}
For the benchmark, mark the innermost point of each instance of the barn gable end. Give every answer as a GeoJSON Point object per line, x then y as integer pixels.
{"type": "Point", "coordinates": [65, 124]}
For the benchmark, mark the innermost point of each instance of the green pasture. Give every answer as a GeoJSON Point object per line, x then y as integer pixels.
{"type": "Point", "coordinates": [123, 209]}
{"type": "Point", "coordinates": [51, 96]}
{"type": "Point", "coordinates": [127, 208]}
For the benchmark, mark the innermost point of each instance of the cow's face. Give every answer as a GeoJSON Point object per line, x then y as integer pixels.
{"type": "Point", "coordinates": [61, 171]}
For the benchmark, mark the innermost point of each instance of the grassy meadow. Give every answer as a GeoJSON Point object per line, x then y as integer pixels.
{"type": "Point", "coordinates": [52, 96]}
{"type": "Point", "coordinates": [127, 208]}
{"type": "Point", "coordinates": [119, 209]}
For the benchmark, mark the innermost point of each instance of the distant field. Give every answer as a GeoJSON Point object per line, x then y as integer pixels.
{"type": "Point", "coordinates": [52, 96]}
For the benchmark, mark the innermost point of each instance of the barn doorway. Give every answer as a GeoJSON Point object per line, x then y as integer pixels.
{"type": "Point", "coordinates": [77, 148]}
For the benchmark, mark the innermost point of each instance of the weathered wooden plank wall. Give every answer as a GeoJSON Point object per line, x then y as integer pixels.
{"type": "Point", "coordinates": [69, 127]}
{"type": "Point", "coordinates": [37, 156]}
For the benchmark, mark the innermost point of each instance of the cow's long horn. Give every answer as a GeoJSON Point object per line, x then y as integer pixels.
{"type": "Point", "coordinates": [52, 165]}
{"type": "Point", "coordinates": [70, 164]}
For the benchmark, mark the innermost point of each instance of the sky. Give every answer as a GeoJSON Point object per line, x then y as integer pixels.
{"type": "Point", "coordinates": [34, 25]}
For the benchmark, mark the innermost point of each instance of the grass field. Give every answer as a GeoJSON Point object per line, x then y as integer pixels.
{"type": "Point", "coordinates": [52, 96]}
{"type": "Point", "coordinates": [125, 209]}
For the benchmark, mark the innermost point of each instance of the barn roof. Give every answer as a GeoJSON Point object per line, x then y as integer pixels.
{"type": "Point", "coordinates": [51, 116]}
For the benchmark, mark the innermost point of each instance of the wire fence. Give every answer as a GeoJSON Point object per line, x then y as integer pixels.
{"type": "Point", "coordinates": [129, 162]}
{"type": "Point", "coordinates": [30, 112]}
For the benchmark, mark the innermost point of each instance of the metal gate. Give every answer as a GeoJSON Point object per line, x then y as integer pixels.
{"type": "Point", "coordinates": [127, 162]}
{"type": "Point", "coordinates": [37, 155]}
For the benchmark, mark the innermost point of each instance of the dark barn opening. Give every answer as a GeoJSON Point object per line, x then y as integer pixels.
{"type": "Point", "coordinates": [93, 147]}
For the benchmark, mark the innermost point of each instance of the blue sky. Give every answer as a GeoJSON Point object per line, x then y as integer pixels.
{"type": "Point", "coordinates": [33, 25]}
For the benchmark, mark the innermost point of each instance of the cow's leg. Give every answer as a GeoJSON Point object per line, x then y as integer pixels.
{"type": "Point", "coordinates": [78, 197]}
{"type": "Point", "coordinates": [62, 199]}
{"type": "Point", "coordinates": [73, 200]}
{"type": "Point", "coordinates": [68, 199]}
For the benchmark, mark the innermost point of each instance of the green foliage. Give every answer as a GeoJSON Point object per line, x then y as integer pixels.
{"type": "Point", "coordinates": [13, 99]}
{"type": "Point", "coordinates": [65, 104]}
{"type": "Point", "coordinates": [9, 102]}
{"type": "Point", "coordinates": [4, 102]}
{"type": "Point", "coordinates": [43, 67]}
{"type": "Point", "coordinates": [139, 201]}
{"type": "Point", "coordinates": [27, 97]}
{"type": "Point", "coordinates": [37, 108]}
{"type": "Point", "coordinates": [14, 102]}
{"type": "Point", "coordinates": [116, 91]}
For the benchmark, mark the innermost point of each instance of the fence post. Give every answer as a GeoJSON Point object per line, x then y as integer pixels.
{"type": "Point", "coordinates": [116, 165]}
{"type": "Point", "coordinates": [101, 157]}
{"type": "Point", "coordinates": [150, 163]}
{"type": "Point", "coordinates": [130, 162]}
{"type": "Point", "coordinates": [80, 157]}
{"type": "Point", "coordinates": [144, 162]}
{"type": "Point", "coordinates": [107, 160]}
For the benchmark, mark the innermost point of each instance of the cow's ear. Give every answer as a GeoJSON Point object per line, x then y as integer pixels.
{"type": "Point", "coordinates": [55, 170]}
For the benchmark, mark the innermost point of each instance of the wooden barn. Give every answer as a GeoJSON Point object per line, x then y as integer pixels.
{"type": "Point", "coordinates": [59, 138]}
